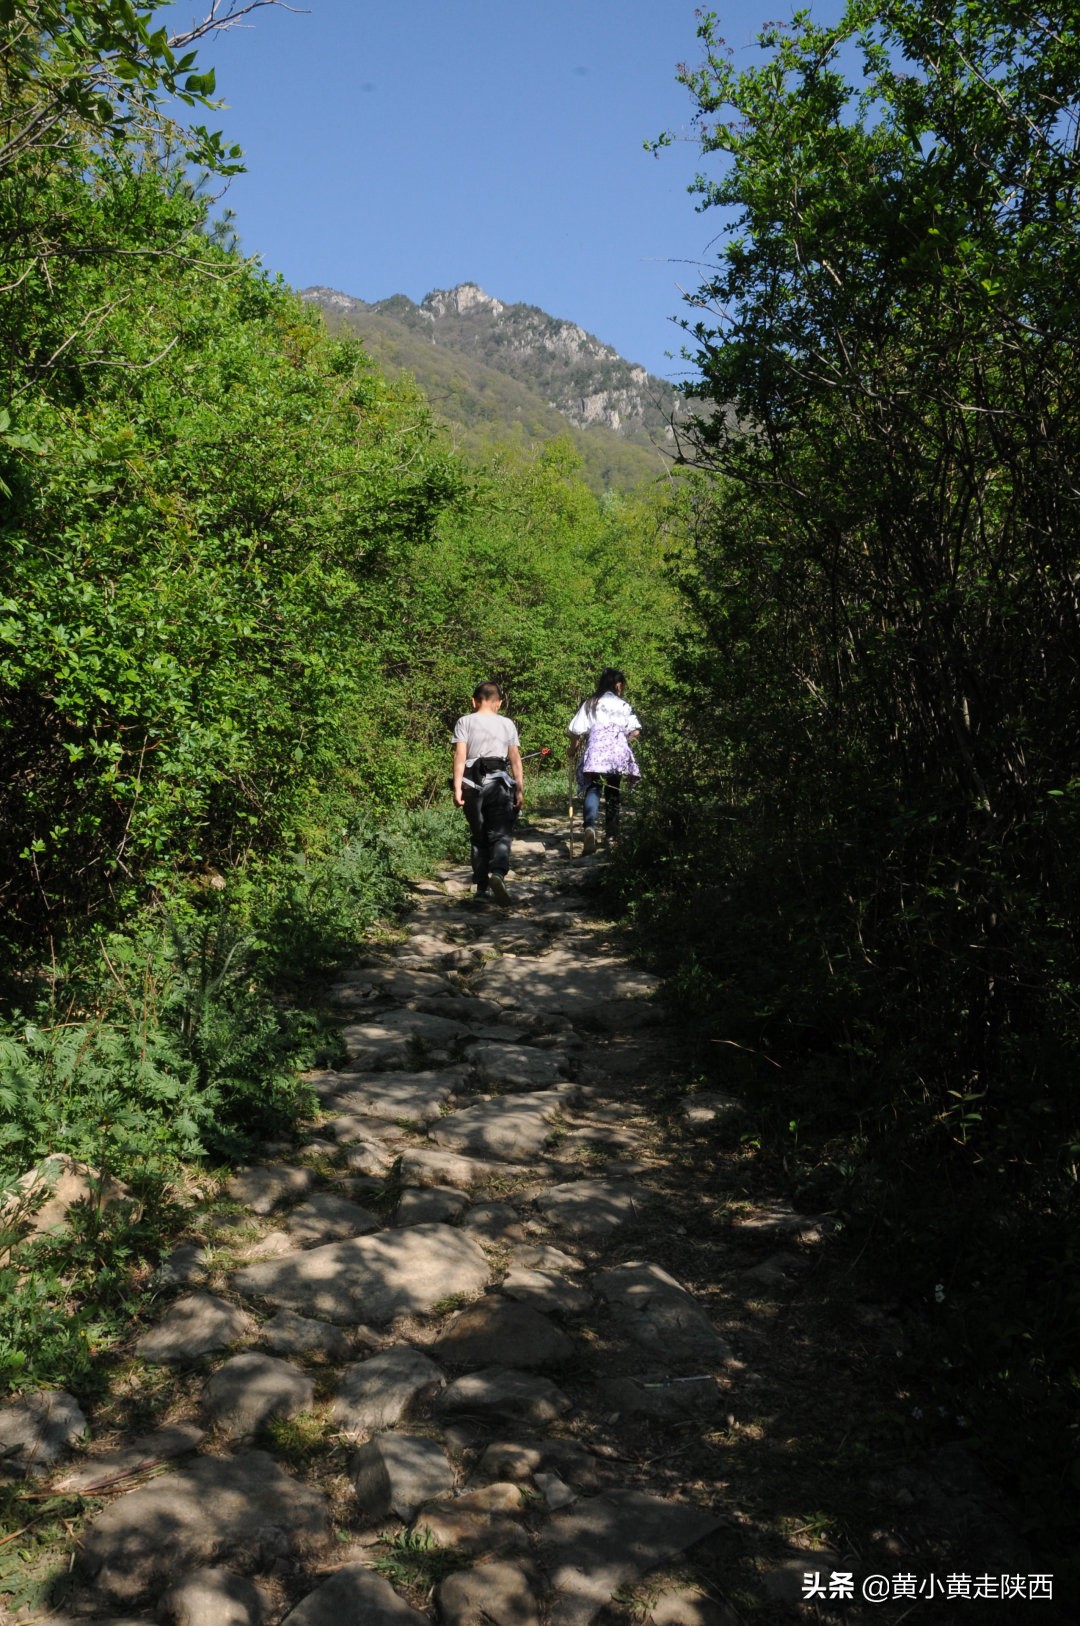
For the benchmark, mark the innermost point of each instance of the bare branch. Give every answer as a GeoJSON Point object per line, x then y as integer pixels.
{"type": "Point", "coordinates": [224, 14]}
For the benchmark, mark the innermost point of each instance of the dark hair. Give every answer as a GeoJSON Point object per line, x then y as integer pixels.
{"type": "Point", "coordinates": [487, 691]}
{"type": "Point", "coordinates": [605, 684]}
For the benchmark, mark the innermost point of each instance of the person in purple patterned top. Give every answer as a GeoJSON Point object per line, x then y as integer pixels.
{"type": "Point", "coordinates": [607, 725]}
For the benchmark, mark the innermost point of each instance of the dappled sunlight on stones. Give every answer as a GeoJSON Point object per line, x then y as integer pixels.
{"type": "Point", "coordinates": [215, 1509]}
{"type": "Point", "coordinates": [377, 1393]}
{"type": "Point", "coordinates": [245, 1393]}
{"type": "Point", "coordinates": [198, 1325]}
{"type": "Point", "coordinates": [592, 1208]}
{"type": "Point", "coordinates": [661, 1315]}
{"type": "Point", "coordinates": [372, 1278]}
{"type": "Point", "coordinates": [688, 1606]}
{"type": "Point", "coordinates": [36, 1430]}
{"type": "Point", "coordinates": [501, 1396]}
{"type": "Point", "coordinates": [514, 1067]}
{"type": "Point", "coordinates": [290, 1334]}
{"type": "Point", "coordinates": [326, 1218]}
{"type": "Point", "coordinates": [263, 1186]}
{"type": "Point", "coordinates": [544, 1291]}
{"type": "Point", "coordinates": [434, 1166]}
{"type": "Point", "coordinates": [214, 1597]}
{"type": "Point", "coordinates": [354, 1594]}
{"type": "Point", "coordinates": [496, 1594]}
{"type": "Point", "coordinates": [514, 1127]}
{"type": "Point", "coordinates": [397, 1473]}
{"type": "Point", "coordinates": [419, 1205]}
{"type": "Point", "coordinates": [185, 1266]}
{"type": "Point", "coordinates": [496, 1223]}
{"type": "Point", "coordinates": [606, 1543]}
{"type": "Point", "coordinates": [542, 1256]}
{"type": "Point", "coordinates": [566, 981]}
{"type": "Point", "coordinates": [458, 1105]}
{"type": "Point", "coordinates": [417, 1097]}
{"type": "Point", "coordinates": [478, 1522]}
{"type": "Point", "coordinates": [394, 1040]}
{"type": "Point", "coordinates": [498, 1332]}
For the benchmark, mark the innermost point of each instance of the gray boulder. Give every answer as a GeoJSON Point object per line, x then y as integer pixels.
{"type": "Point", "coordinates": [398, 1473]}
{"type": "Point", "coordinates": [214, 1510]}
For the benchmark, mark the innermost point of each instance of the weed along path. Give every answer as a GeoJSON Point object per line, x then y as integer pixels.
{"type": "Point", "coordinates": [487, 1344]}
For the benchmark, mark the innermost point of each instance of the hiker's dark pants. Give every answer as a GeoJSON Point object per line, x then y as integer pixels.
{"type": "Point", "coordinates": [490, 812]}
{"type": "Point", "coordinates": [609, 783]}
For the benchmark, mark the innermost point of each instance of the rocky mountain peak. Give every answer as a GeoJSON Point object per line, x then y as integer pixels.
{"type": "Point", "coordinates": [460, 301]}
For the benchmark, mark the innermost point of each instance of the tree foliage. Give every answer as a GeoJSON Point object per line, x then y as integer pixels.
{"type": "Point", "coordinates": [886, 671]}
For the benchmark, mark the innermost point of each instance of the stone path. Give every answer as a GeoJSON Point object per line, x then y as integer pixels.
{"type": "Point", "coordinates": [430, 1354]}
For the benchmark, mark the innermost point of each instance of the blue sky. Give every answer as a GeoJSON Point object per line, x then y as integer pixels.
{"type": "Point", "coordinates": [397, 148]}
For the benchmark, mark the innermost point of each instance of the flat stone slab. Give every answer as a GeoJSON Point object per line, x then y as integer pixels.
{"type": "Point", "coordinates": [689, 1606]}
{"type": "Point", "coordinates": [127, 1460]}
{"type": "Point", "coordinates": [514, 1067]}
{"type": "Point", "coordinates": [514, 1127]}
{"type": "Point", "coordinates": [437, 1166]}
{"type": "Point", "coordinates": [420, 1205]}
{"type": "Point", "coordinates": [542, 1256]}
{"type": "Point", "coordinates": [399, 1039]}
{"type": "Point", "coordinates": [213, 1510]}
{"type": "Point", "coordinates": [606, 1543]}
{"type": "Point", "coordinates": [355, 1593]}
{"type": "Point", "coordinates": [499, 1332]}
{"type": "Point", "coordinates": [370, 1278]}
{"type": "Point", "coordinates": [661, 1315]}
{"type": "Point", "coordinates": [366, 984]}
{"type": "Point", "coordinates": [326, 1218]}
{"type": "Point", "coordinates": [413, 1097]}
{"type": "Point", "coordinates": [488, 1595]}
{"type": "Point", "coordinates": [377, 1393]}
{"type": "Point", "coordinates": [592, 1208]}
{"type": "Point", "coordinates": [348, 1127]}
{"type": "Point", "coordinates": [290, 1334]}
{"type": "Point", "coordinates": [264, 1185]}
{"type": "Point", "coordinates": [565, 980]}
{"type": "Point", "coordinates": [197, 1325]}
{"type": "Point", "coordinates": [214, 1597]}
{"type": "Point", "coordinates": [497, 1223]}
{"type": "Point", "coordinates": [37, 1429]}
{"type": "Point", "coordinates": [186, 1266]}
{"type": "Point", "coordinates": [245, 1393]}
{"type": "Point", "coordinates": [398, 1473]}
{"type": "Point", "coordinates": [524, 1398]}
{"type": "Point", "coordinates": [468, 1008]}
{"type": "Point", "coordinates": [370, 1157]}
{"type": "Point", "coordinates": [543, 1290]}
{"type": "Point", "coordinates": [485, 1521]}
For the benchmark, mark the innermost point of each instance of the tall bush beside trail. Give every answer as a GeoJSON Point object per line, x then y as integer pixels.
{"type": "Point", "coordinates": [887, 654]}
{"type": "Point", "coordinates": [199, 540]}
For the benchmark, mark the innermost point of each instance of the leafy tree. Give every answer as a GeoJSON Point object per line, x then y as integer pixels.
{"type": "Point", "coordinates": [888, 640]}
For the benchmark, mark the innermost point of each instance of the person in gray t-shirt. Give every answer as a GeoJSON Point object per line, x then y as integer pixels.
{"type": "Point", "coordinates": [488, 784]}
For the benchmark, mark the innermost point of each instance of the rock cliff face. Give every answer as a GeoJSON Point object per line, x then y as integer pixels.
{"type": "Point", "coordinates": [584, 380]}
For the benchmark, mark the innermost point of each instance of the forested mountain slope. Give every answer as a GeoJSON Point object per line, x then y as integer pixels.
{"type": "Point", "coordinates": [509, 372]}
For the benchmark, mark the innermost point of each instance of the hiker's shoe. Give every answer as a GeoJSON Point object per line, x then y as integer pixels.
{"type": "Point", "coordinates": [588, 841]}
{"type": "Point", "coordinates": [499, 889]}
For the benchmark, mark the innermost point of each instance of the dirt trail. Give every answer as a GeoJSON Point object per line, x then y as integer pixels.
{"type": "Point", "coordinates": [508, 1337]}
